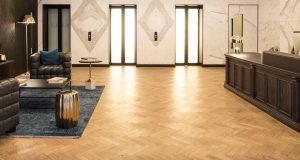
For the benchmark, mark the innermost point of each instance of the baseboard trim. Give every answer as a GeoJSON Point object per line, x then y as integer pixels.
{"type": "Point", "coordinates": [155, 65]}
{"type": "Point", "coordinates": [213, 65]}
{"type": "Point", "coordinates": [192, 64]}
{"type": "Point", "coordinates": [87, 65]}
{"type": "Point", "coordinates": [148, 65]}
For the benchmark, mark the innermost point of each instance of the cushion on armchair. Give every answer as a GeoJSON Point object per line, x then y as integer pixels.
{"type": "Point", "coordinates": [50, 57]}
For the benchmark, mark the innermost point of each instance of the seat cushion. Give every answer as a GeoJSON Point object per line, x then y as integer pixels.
{"type": "Point", "coordinates": [49, 71]}
{"type": "Point", "coordinates": [50, 57]}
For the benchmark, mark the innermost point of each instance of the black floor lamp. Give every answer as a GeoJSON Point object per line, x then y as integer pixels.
{"type": "Point", "coordinates": [27, 20]}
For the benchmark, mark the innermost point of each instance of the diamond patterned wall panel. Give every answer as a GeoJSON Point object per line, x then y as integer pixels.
{"type": "Point", "coordinates": [157, 13]}
{"type": "Point", "coordinates": [89, 18]}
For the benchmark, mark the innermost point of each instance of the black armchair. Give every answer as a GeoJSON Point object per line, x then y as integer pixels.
{"type": "Point", "coordinates": [9, 105]}
{"type": "Point", "coordinates": [39, 71]}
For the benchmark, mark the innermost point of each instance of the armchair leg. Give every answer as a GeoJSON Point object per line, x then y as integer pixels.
{"type": "Point", "coordinates": [12, 130]}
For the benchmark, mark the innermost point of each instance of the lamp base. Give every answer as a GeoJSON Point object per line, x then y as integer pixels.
{"type": "Point", "coordinates": [25, 75]}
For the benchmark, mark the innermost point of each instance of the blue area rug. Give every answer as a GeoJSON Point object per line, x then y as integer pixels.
{"type": "Point", "coordinates": [37, 116]}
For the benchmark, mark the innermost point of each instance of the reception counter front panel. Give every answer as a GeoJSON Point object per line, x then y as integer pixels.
{"type": "Point", "coordinates": [274, 90]}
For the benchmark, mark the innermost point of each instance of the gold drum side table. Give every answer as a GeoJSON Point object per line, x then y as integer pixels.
{"type": "Point", "coordinates": [67, 109]}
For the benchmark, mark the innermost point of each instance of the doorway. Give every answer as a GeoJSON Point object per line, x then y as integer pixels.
{"type": "Point", "coordinates": [122, 34]}
{"type": "Point", "coordinates": [57, 28]}
{"type": "Point", "coordinates": [189, 33]}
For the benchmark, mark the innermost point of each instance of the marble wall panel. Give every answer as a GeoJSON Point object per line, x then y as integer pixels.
{"type": "Point", "coordinates": [250, 25]}
{"type": "Point", "coordinates": [289, 22]}
{"type": "Point", "coordinates": [215, 30]}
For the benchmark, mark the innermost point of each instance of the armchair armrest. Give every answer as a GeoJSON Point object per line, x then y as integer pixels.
{"type": "Point", "coordinates": [65, 59]}
{"type": "Point", "coordinates": [35, 60]}
{"type": "Point", "coordinates": [35, 63]}
{"type": "Point", "coordinates": [9, 86]}
{"type": "Point", "coordinates": [9, 104]}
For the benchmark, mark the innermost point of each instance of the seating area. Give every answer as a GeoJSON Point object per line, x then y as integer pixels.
{"type": "Point", "coordinates": [41, 71]}
{"type": "Point", "coordinates": [9, 105]}
{"type": "Point", "coordinates": [149, 80]}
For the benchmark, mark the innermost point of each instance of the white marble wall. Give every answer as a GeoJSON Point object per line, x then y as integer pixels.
{"type": "Point", "coordinates": [289, 22]}
{"type": "Point", "coordinates": [250, 25]}
{"type": "Point", "coordinates": [215, 32]}
{"type": "Point", "coordinates": [278, 20]}
{"type": "Point", "coordinates": [215, 29]}
{"type": "Point", "coordinates": [269, 24]}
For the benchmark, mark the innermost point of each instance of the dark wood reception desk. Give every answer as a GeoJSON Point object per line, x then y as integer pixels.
{"type": "Point", "coordinates": [270, 81]}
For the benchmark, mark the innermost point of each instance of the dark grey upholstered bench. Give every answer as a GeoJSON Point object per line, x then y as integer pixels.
{"type": "Point", "coordinates": [9, 105]}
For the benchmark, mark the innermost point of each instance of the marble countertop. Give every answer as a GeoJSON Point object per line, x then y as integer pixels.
{"type": "Point", "coordinates": [249, 56]}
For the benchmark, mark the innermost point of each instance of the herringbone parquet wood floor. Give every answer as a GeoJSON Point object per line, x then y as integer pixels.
{"type": "Point", "coordinates": [180, 113]}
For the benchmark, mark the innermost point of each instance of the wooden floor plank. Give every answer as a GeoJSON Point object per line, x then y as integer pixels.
{"type": "Point", "coordinates": [163, 114]}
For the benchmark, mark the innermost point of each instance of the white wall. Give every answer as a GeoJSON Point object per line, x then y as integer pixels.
{"type": "Point", "coordinates": [250, 25]}
{"type": "Point", "coordinates": [215, 30]}
{"type": "Point", "coordinates": [269, 24]}
{"type": "Point", "coordinates": [278, 20]}
{"type": "Point", "coordinates": [289, 22]}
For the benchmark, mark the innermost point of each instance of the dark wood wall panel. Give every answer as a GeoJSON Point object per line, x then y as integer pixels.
{"type": "Point", "coordinates": [7, 32]}
{"type": "Point", "coordinates": [12, 36]}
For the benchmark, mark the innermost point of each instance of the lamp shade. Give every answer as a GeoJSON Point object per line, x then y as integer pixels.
{"type": "Point", "coordinates": [28, 19]}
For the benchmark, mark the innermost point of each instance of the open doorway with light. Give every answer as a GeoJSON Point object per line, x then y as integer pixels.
{"type": "Point", "coordinates": [122, 34]}
{"type": "Point", "coordinates": [189, 35]}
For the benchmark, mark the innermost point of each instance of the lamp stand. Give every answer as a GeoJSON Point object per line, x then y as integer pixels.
{"type": "Point", "coordinates": [27, 20]}
{"type": "Point", "coordinates": [26, 42]}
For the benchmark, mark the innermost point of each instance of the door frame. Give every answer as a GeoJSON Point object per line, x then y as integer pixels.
{"type": "Point", "coordinates": [200, 32]}
{"type": "Point", "coordinates": [46, 7]}
{"type": "Point", "coordinates": [123, 7]}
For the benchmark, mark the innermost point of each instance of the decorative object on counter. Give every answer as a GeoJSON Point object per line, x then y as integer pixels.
{"type": "Point", "coordinates": [90, 84]}
{"type": "Point", "coordinates": [236, 38]}
{"type": "Point", "coordinates": [275, 49]}
{"type": "Point", "coordinates": [237, 43]}
{"type": "Point", "coordinates": [67, 109]}
{"type": "Point", "coordinates": [27, 20]}
{"type": "Point", "coordinates": [293, 50]}
{"type": "Point", "coordinates": [296, 41]}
